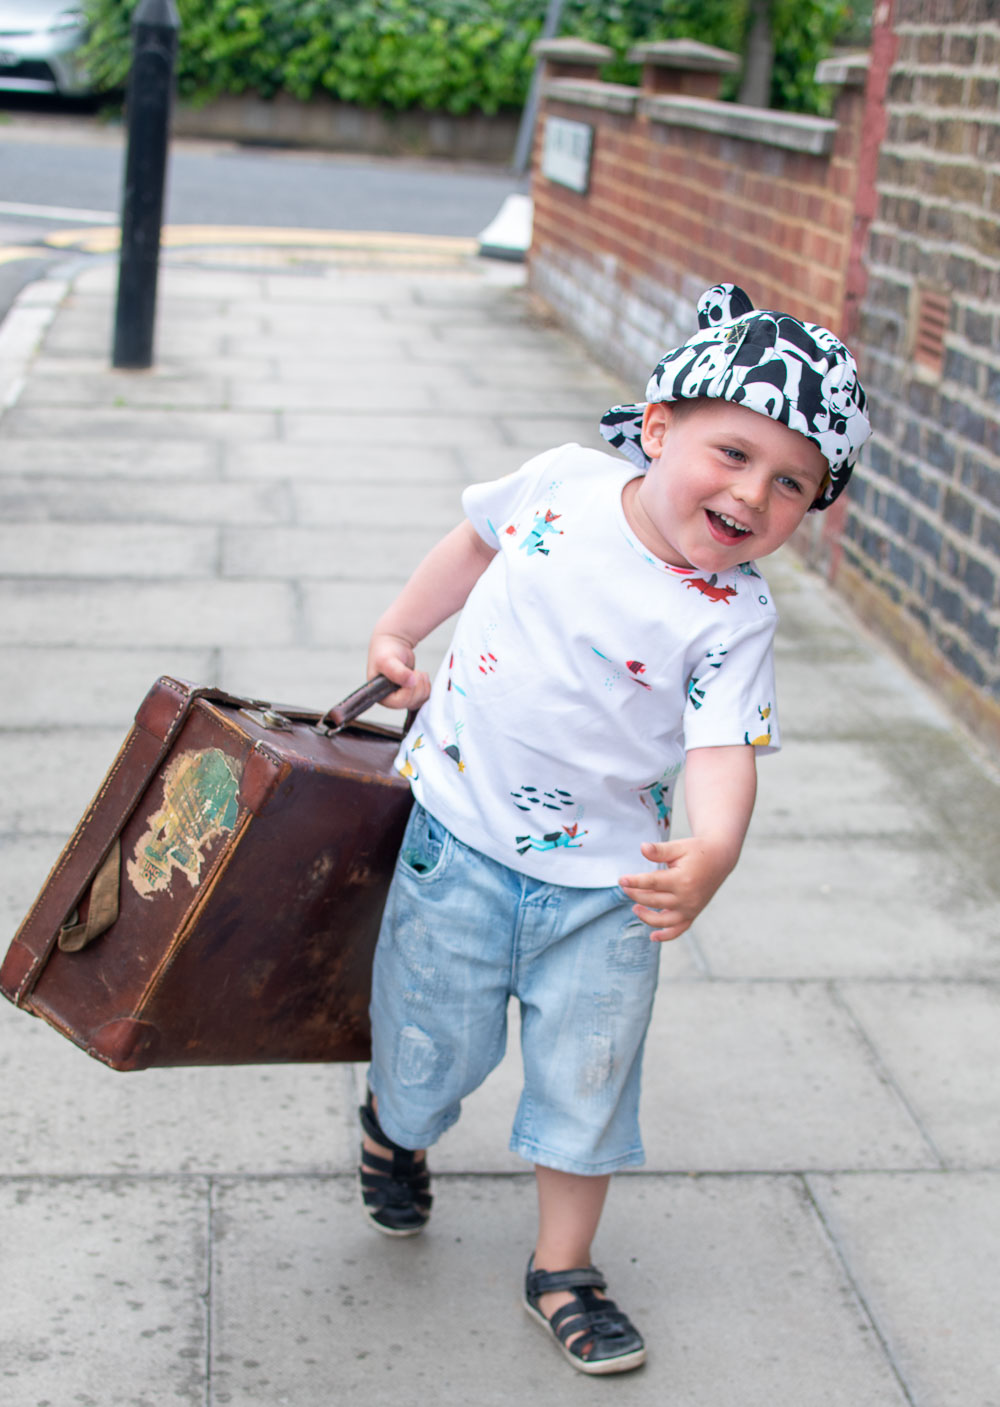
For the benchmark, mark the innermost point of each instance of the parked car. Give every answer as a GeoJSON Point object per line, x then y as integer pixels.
{"type": "Point", "coordinates": [40, 42]}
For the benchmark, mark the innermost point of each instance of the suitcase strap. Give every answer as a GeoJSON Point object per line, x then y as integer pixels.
{"type": "Point", "coordinates": [103, 910]}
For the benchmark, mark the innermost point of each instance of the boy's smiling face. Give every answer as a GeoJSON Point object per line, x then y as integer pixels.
{"type": "Point", "coordinates": [725, 484]}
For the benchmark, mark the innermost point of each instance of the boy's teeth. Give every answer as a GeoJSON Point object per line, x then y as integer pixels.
{"type": "Point", "coordinates": [730, 523]}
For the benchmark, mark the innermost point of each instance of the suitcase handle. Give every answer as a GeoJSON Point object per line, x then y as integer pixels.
{"type": "Point", "coordinates": [348, 709]}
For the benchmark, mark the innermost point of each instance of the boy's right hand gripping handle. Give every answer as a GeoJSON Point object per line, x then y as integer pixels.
{"type": "Point", "coordinates": [348, 709]}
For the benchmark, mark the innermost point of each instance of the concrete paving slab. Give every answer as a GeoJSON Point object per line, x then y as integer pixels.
{"type": "Point", "coordinates": [835, 787]}
{"type": "Point", "coordinates": [25, 861]}
{"type": "Point", "coordinates": [849, 695]}
{"type": "Point", "coordinates": [941, 1044]}
{"type": "Point", "coordinates": [50, 363]}
{"type": "Point", "coordinates": [341, 429]}
{"type": "Point", "coordinates": [51, 775]}
{"type": "Point", "coordinates": [188, 615]}
{"type": "Point", "coordinates": [923, 1251]}
{"type": "Point", "coordinates": [114, 457]}
{"type": "Point", "coordinates": [107, 550]}
{"type": "Point", "coordinates": [489, 460]}
{"type": "Point", "coordinates": [364, 504]}
{"type": "Point", "coordinates": [809, 908]}
{"type": "Point", "coordinates": [100, 281]}
{"type": "Point", "coordinates": [340, 614]}
{"type": "Point", "coordinates": [507, 401]}
{"type": "Point", "coordinates": [529, 435]}
{"type": "Point", "coordinates": [132, 389]}
{"type": "Point", "coordinates": [345, 456]}
{"type": "Point", "coordinates": [100, 423]}
{"type": "Point", "coordinates": [337, 551]}
{"type": "Point", "coordinates": [755, 1308]}
{"type": "Point", "coordinates": [57, 688]}
{"type": "Point", "coordinates": [96, 339]}
{"type": "Point", "coordinates": [109, 1309]}
{"type": "Point", "coordinates": [66, 1115]}
{"type": "Point", "coordinates": [316, 678]}
{"type": "Point", "coordinates": [768, 1076]}
{"type": "Point", "coordinates": [59, 498]}
{"type": "Point", "coordinates": [353, 394]}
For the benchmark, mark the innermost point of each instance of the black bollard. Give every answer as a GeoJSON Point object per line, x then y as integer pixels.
{"type": "Point", "coordinates": [155, 27]}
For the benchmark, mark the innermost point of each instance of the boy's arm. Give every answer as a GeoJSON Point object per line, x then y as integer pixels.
{"type": "Point", "coordinates": [720, 785]}
{"type": "Point", "coordinates": [435, 591]}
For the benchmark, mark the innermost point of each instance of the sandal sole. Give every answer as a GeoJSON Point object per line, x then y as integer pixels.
{"type": "Point", "coordinates": [604, 1366]}
{"type": "Point", "coordinates": [391, 1230]}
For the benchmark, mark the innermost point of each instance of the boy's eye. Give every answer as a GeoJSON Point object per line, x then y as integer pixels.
{"type": "Point", "coordinates": [734, 454]}
{"type": "Point", "coordinates": [790, 483]}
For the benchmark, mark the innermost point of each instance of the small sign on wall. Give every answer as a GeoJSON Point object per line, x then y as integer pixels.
{"type": "Point", "coordinates": [566, 153]}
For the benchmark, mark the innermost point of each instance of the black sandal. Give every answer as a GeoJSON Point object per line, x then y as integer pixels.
{"type": "Point", "coordinates": [609, 1342]}
{"type": "Point", "coordinates": [395, 1191]}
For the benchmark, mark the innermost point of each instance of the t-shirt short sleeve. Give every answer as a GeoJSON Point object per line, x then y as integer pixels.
{"type": "Point", "coordinates": [731, 692]}
{"type": "Point", "coordinates": [489, 505]}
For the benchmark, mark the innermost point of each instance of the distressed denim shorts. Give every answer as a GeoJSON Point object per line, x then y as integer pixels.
{"type": "Point", "coordinates": [461, 935]}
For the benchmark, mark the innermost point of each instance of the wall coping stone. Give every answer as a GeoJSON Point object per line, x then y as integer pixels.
{"type": "Point", "coordinates": [569, 49]}
{"type": "Point", "coordinates": [847, 70]}
{"type": "Point", "coordinates": [590, 92]}
{"type": "Point", "coordinates": [813, 135]}
{"type": "Point", "coordinates": [688, 54]}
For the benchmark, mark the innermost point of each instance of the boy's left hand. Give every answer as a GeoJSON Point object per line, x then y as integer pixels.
{"type": "Point", "coordinates": [670, 899]}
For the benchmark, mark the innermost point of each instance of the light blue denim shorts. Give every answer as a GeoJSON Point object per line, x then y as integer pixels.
{"type": "Point", "coordinates": [461, 935]}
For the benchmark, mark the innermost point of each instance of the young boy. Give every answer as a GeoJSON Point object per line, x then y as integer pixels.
{"type": "Point", "coordinates": [613, 629]}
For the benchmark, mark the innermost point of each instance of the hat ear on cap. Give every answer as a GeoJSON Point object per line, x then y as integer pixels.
{"type": "Point", "coordinates": [721, 304]}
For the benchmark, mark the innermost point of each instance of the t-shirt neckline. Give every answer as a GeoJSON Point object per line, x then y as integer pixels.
{"type": "Point", "coordinates": [636, 542]}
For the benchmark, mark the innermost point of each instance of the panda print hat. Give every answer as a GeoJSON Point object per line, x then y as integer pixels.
{"type": "Point", "coordinates": [795, 372]}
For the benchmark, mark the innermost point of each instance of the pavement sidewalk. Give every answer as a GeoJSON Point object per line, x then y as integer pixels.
{"type": "Point", "coordinates": [818, 1222]}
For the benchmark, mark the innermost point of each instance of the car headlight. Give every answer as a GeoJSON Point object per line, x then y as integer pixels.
{"type": "Point", "coordinates": [69, 19]}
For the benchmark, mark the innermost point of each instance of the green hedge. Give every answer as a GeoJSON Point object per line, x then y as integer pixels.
{"type": "Point", "coordinates": [446, 55]}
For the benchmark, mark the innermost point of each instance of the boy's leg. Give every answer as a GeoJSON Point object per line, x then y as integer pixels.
{"type": "Point", "coordinates": [563, 1291]}
{"type": "Point", "coordinates": [569, 1209]}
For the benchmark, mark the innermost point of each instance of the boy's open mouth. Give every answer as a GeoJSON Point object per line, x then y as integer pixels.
{"type": "Point", "coordinates": [726, 528]}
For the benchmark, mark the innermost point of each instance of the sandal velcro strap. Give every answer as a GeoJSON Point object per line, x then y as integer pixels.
{"type": "Point", "coordinates": [546, 1282]}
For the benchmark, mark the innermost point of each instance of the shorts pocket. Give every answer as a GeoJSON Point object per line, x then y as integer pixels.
{"type": "Point", "coordinates": [427, 846]}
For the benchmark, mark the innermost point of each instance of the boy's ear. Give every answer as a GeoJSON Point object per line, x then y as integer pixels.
{"type": "Point", "coordinates": [656, 420]}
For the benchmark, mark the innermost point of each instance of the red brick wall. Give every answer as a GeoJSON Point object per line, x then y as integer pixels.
{"type": "Point", "coordinates": [671, 210]}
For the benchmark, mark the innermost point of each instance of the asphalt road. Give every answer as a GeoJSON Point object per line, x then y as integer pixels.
{"type": "Point", "coordinates": [56, 167]}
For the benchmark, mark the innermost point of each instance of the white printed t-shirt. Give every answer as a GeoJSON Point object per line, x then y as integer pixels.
{"type": "Point", "coordinates": [581, 670]}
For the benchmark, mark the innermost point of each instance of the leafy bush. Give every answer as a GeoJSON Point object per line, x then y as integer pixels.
{"type": "Point", "coordinates": [450, 55]}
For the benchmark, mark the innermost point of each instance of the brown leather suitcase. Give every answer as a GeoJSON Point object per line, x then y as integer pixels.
{"type": "Point", "coordinates": [220, 900]}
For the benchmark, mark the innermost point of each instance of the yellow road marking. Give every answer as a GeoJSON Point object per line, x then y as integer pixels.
{"type": "Point", "coordinates": [104, 241]}
{"type": "Point", "coordinates": [10, 252]}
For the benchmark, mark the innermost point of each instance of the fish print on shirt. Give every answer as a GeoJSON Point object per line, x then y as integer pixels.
{"type": "Point", "coordinates": [634, 669]}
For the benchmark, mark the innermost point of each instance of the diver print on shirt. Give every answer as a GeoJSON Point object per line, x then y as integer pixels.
{"type": "Point", "coordinates": [531, 798]}
{"type": "Point", "coordinates": [569, 838]}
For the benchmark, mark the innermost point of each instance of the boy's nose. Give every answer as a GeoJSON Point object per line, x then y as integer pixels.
{"type": "Point", "coordinates": [752, 490]}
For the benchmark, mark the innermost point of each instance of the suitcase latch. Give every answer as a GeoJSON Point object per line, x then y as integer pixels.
{"type": "Point", "coordinates": [268, 718]}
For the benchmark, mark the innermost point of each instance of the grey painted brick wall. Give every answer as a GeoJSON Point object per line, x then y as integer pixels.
{"type": "Point", "coordinates": [924, 518]}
